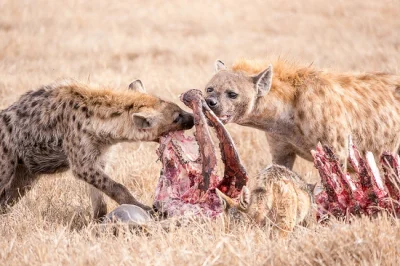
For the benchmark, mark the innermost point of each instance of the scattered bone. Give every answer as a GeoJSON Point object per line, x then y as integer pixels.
{"type": "Point", "coordinates": [127, 213]}
{"type": "Point", "coordinates": [367, 193]}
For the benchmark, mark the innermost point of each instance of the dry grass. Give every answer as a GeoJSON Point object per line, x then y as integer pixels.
{"type": "Point", "coordinates": [172, 47]}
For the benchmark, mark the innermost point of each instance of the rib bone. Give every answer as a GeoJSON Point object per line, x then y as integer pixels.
{"type": "Point", "coordinates": [368, 193]}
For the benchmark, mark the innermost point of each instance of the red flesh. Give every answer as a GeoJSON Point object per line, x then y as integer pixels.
{"type": "Point", "coordinates": [367, 193]}
{"type": "Point", "coordinates": [188, 178]}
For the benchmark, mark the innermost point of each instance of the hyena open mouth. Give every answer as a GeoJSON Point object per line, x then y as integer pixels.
{"type": "Point", "coordinates": [188, 179]}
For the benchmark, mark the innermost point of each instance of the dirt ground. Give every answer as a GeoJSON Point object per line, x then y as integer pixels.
{"type": "Point", "coordinates": [172, 47]}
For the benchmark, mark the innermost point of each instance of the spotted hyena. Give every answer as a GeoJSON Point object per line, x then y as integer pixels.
{"type": "Point", "coordinates": [71, 126]}
{"type": "Point", "coordinates": [299, 106]}
{"type": "Point", "coordinates": [280, 198]}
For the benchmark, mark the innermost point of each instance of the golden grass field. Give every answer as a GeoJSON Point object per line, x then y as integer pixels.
{"type": "Point", "coordinates": [172, 47]}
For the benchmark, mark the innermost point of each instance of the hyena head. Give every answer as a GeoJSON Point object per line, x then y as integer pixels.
{"type": "Point", "coordinates": [138, 116]}
{"type": "Point", "coordinates": [235, 211]}
{"type": "Point", "coordinates": [232, 95]}
{"type": "Point", "coordinates": [161, 118]}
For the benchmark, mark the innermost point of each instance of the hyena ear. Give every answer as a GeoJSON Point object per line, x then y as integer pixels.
{"type": "Point", "coordinates": [144, 120]}
{"type": "Point", "coordinates": [219, 65]}
{"type": "Point", "coordinates": [263, 81]}
{"type": "Point", "coordinates": [137, 85]}
{"type": "Point", "coordinates": [244, 200]}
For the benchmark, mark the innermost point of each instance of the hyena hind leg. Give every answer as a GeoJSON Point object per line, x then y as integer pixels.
{"type": "Point", "coordinates": [20, 183]}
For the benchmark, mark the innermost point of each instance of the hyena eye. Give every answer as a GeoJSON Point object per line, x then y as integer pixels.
{"type": "Point", "coordinates": [210, 89]}
{"type": "Point", "coordinates": [232, 95]}
{"type": "Point", "coordinates": [178, 118]}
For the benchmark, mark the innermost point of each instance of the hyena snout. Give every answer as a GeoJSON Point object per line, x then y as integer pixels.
{"type": "Point", "coordinates": [214, 105]}
{"type": "Point", "coordinates": [187, 121]}
{"type": "Point", "coordinates": [212, 102]}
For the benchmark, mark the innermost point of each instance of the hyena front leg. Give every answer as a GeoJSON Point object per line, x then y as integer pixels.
{"type": "Point", "coordinates": [96, 177]}
{"type": "Point", "coordinates": [99, 204]}
{"type": "Point", "coordinates": [8, 165]}
{"type": "Point", "coordinates": [20, 184]}
{"type": "Point", "coordinates": [282, 153]}
{"type": "Point", "coordinates": [85, 165]}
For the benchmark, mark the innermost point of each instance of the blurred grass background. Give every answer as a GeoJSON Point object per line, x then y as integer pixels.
{"type": "Point", "coordinates": [171, 47]}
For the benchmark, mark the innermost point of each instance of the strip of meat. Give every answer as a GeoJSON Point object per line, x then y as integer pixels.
{"type": "Point", "coordinates": [235, 176]}
{"type": "Point", "coordinates": [188, 179]}
{"type": "Point", "coordinates": [193, 99]}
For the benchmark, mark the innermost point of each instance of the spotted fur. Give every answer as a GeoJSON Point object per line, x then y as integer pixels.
{"type": "Point", "coordinates": [301, 106]}
{"type": "Point", "coordinates": [70, 126]}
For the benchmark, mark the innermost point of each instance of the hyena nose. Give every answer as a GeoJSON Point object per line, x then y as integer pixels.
{"type": "Point", "coordinates": [212, 102]}
{"type": "Point", "coordinates": [188, 122]}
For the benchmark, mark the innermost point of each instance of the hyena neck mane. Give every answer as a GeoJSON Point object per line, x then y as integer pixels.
{"type": "Point", "coordinates": [104, 113]}
{"type": "Point", "coordinates": [274, 111]}
{"type": "Point", "coordinates": [105, 102]}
